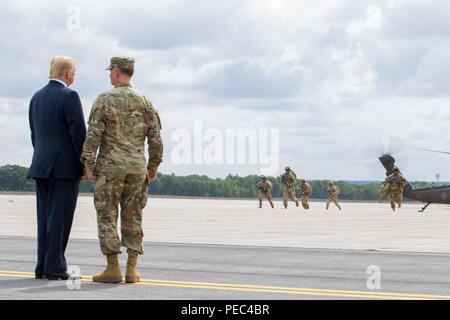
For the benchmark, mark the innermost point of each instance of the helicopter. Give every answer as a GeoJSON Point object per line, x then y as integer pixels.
{"type": "Point", "coordinates": [428, 195]}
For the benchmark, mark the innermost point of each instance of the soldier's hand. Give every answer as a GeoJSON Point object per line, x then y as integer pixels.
{"type": "Point", "coordinates": [83, 176]}
{"type": "Point", "coordinates": [87, 175]}
{"type": "Point", "coordinates": [152, 175]}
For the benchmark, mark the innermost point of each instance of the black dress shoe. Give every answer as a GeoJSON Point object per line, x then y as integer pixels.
{"type": "Point", "coordinates": [58, 276]}
{"type": "Point", "coordinates": [40, 276]}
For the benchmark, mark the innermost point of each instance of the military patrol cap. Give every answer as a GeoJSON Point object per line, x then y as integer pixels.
{"type": "Point", "coordinates": [302, 180]}
{"type": "Point", "coordinates": [330, 184]}
{"type": "Point", "coordinates": [395, 169]}
{"type": "Point", "coordinates": [263, 177]}
{"type": "Point", "coordinates": [125, 64]}
{"type": "Point", "coordinates": [287, 169]}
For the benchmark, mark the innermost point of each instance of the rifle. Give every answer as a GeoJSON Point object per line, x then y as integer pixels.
{"type": "Point", "coordinates": [262, 189]}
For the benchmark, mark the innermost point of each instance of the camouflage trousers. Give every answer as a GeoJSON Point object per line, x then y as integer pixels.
{"type": "Point", "coordinates": [130, 192]}
{"type": "Point", "coordinates": [396, 198]}
{"type": "Point", "coordinates": [383, 192]}
{"type": "Point", "coordinates": [289, 192]}
{"type": "Point", "coordinates": [333, 199]}
{"type": "Point", "coordinates": [305, 203]}
{"type": "Point", "coordinates": [267, 195]}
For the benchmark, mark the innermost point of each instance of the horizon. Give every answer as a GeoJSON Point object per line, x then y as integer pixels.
{"type": "Point", "coordinates": [351, 181]}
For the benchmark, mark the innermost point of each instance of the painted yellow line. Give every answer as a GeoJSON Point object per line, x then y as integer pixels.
{"type": "Point", "coordinates": [294, 289]}
{"type": "Point", "coordinates": [257, 288]}
{"type": "Point", "coordinates": [293, 292]}
{"type": "Point", "coordinates": [272, 288]}
{"type": "Point", "coordinates": [14, 275]}
{"type": "Point", "coordinates": [17, 272]}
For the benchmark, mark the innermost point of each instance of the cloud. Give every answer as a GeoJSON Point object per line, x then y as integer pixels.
{"type": "Point", "coordinates": [168, 24]}
{"type": "Point", "coordinates": [248, 79]}
{"type": "Point", "coordinates": [14, 132]}
{"type": "Point", "coordinates": [415, 19]}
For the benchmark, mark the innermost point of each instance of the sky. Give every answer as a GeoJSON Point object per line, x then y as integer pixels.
{"type": "Point", "coordinates": [333, 83]}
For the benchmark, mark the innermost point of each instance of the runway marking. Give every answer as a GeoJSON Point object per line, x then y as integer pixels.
{"type": "Point", "coordinates": [259, 288]}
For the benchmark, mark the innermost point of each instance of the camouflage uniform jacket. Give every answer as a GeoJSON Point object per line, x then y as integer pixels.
{"type": "Point", "coordinates": [119, 122]}
{"type": "Point", "coordinates": [289, 178]}
{"type": "Point", "coordinates": [333, 191]}
{"type": "Point", "coordinates": [265, 187]}
{"type": "Point", "coordinates": [305, 189]}
{"type": "Point", "coordinates": [395, 182]}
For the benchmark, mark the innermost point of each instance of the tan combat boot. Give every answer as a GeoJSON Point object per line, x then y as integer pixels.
{"type": "Point", "coordinates": [112, 272]}
{"type": "Point", "coordinates": [132, 276]}
{"type": "Point", "coordinates": [392, 205]}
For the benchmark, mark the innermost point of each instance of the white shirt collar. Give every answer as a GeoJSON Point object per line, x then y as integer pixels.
{"type": "Point", "coordinates": [60, 81]}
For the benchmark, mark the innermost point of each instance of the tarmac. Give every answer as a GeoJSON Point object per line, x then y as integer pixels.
{"type": "Point", "coordinates": [230, 249]}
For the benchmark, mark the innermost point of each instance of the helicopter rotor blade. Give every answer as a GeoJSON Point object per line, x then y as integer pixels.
{"type": "Point", "coordinates": [436, 151]}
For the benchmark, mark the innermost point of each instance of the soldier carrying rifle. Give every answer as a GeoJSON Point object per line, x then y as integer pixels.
{"type": "Point", "coordinates": [395, 183]}
{"type": "Point", "coordinates": [305, 190]}
{"type": "Point", "coordinates": [265, 191]}
{"type": "Point", "coordinates": [333, 191]}
{"type": "Point", "coordinates": [289, 179]}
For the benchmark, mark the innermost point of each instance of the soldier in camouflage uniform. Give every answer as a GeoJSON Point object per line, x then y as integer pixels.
{"type": "Point", "coordinates": [120, 121]}
{"type": "Point", "coordinates": [289, 179]}
{"type": "Point", "coordinates": [305, 190]}
{"type": "Point", "coordinates": [395, 183]}
{"type": "Point", "coordinates": [265, 191]}
{"type": "Point", "coordinates": [384, 190]}
{"type": "Point", "coordinates": [333, 192]}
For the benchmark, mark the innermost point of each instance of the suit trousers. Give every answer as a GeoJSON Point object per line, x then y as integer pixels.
{"type": "Point", "coordinates": [56, 202]}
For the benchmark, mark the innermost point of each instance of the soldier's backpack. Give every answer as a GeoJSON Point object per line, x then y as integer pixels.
{"type": "Point", "coordinates": [307, 190]}
{"type": "Point", "coordinates": [310, 189]}
{"type": "Point", "coordinates": [338, 190]}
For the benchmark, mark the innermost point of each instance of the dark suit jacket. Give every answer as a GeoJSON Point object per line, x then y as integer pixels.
{"type": "Point", "coordinates": [58, 132]}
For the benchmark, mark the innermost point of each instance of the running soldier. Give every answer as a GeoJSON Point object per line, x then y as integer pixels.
{"type": "Point", "coordinates": [305, 190]}
{"type": "Point", "coordinates": [333, 191]}
{"type": "Point", "coordinates": [289, 179]}
{"type": "Point", "coordinates": [395, 184]}
{"type": "Point", "coordinates": [265, 191]}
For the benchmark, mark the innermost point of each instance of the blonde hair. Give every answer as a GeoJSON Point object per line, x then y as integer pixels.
{"type": "Point", "coordinates": [60, 65]}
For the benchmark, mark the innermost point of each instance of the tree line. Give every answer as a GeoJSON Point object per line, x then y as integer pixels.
{"type": "Point", "coordinates": [13, 178]}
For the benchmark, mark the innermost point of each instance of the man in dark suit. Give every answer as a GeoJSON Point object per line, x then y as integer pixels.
{"type": "Point", "coordinates": [58, 132]}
